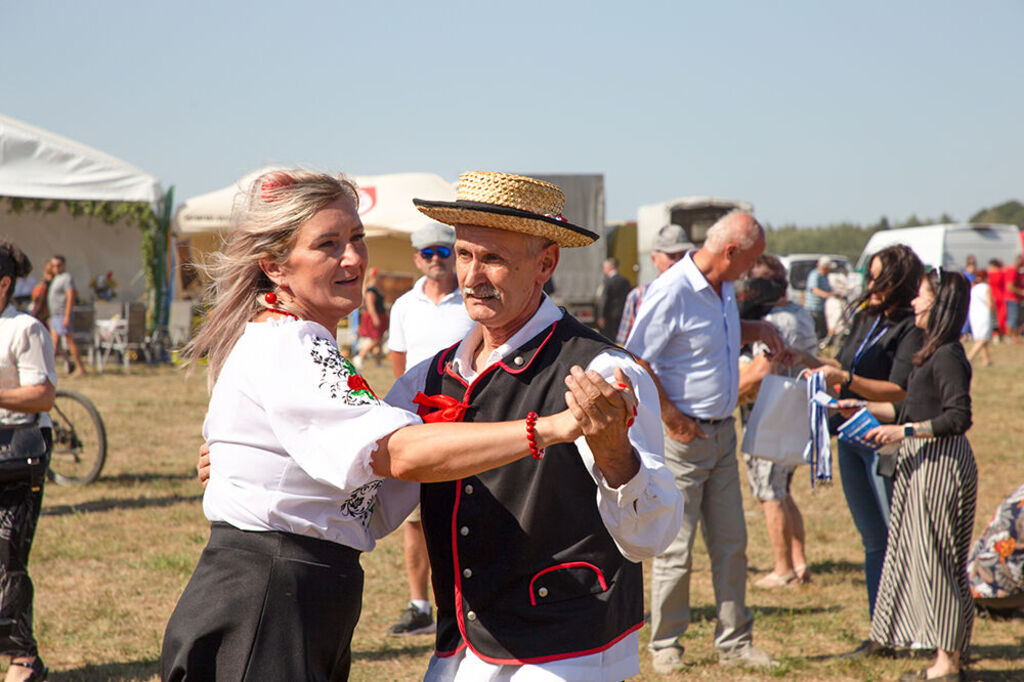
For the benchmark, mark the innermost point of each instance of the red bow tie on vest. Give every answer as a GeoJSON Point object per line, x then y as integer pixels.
{"type": "Point", "coordinates": [448, 409]}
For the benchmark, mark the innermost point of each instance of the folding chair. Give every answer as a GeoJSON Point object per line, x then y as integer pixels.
{"type": "Point", "coordinates": [122, 336]}
{"type": "Point", "coordinates": [83, 330]}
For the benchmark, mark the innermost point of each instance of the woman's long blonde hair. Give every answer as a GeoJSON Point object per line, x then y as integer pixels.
{"type": "Point", "coordinates": [265, 222]}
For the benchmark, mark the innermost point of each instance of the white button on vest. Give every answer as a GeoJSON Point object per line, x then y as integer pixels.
{"type": "Point", "coordinates": [471, 615]}
{"type": "Point", "coordinates": [517, 360]}
{"type": "Point", "coordinates": [543, 591]}
{"type": "Point", "coordinates": [468, 573]}
{"type": "Point", "coordinates": [469, 488]}
{"type": "Point", "coordinates": [464, 531]}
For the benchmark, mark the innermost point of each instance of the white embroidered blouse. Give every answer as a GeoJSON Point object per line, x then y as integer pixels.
{"type": "Point", "coordinates": [291, 429]}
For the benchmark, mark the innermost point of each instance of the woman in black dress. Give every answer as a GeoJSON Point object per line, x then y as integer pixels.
{"type": "Point", "coordinates": [924, 599]}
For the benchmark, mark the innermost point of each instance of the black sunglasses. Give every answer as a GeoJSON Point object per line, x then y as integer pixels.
{"type": "Point", "coordinates": [441, 251]}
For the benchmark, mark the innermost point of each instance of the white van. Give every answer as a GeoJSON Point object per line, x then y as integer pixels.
{"type": "Point", "coordinates": [949, 245]}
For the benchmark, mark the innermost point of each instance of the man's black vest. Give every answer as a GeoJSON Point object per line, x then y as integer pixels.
{"type": "Point", "coordinates": [523, 567]}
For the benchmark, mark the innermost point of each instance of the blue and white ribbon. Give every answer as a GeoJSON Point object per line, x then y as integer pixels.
{"type": "Point", "coordinates": [819, 449]}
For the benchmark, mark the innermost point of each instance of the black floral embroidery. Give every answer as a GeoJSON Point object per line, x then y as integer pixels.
{"type": "Point", "coordinates": [339, 377]}
{"type": "Point", "coordinates": [359, 505]}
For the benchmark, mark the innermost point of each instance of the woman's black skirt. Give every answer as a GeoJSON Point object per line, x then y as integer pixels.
{"type": "Point", "coordinates": [265, 606]}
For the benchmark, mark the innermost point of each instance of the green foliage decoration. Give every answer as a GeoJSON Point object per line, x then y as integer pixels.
{"type": "Point", "coordinates": [155, 230]}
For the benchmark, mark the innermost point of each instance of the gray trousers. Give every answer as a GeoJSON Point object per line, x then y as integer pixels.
{"type": "Point", "coordinates": [707, 473]}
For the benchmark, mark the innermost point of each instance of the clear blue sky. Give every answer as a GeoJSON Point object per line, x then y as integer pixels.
{"type": "Point", "coordinates": [814, 111]}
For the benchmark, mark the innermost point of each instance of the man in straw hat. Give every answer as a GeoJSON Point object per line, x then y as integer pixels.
{"type": "Point", "coordinates": [535, 563]}
{"type": "Point", "coordinates": [689, 332]}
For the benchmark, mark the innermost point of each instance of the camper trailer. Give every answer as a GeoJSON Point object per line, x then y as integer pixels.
{"type": "Point", "coordinates": [694, 214]}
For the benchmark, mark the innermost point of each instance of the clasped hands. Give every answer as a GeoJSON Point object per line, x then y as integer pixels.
{"type": "Point", "coordinates": [603, 413]}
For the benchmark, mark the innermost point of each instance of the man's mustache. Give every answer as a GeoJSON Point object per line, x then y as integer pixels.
{"type": "Point", "coordinates": [482, 291]}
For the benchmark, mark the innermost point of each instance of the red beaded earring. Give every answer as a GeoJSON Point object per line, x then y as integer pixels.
{"type": "Point", "coordinates": [270, 297]}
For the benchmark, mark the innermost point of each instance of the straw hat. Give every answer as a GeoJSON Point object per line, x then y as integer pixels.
{"type": "Point", "coordinates": [509, 202]}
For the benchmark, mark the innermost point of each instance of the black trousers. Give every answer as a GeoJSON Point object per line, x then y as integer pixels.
{"type": "Point", "coordinates": [265, 606]}
{"type": "Point", "coordinates": [20, 505]}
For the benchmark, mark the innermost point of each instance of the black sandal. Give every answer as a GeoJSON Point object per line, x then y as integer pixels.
{"type": "Point", "coordinates": [39, 670]}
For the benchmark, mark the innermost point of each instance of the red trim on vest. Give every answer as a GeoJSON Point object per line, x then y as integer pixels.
{"type": "Point", "coordinates": [553, 657]}
{"type": "Point", "coordinates": [569, 564]}
{"type": "Point", "coordinates": [441, 361]}
{"type": "Point", "coordinates": [449, 654]}
{"type": "Point", "coordinates": [536, 352]}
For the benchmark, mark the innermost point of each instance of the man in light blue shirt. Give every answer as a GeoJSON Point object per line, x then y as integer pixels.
{"type": "Point", "coordinates": [689, 333]}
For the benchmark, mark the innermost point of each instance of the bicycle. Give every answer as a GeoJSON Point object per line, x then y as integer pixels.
{"type": "Point", "coordinates": [79, 440]}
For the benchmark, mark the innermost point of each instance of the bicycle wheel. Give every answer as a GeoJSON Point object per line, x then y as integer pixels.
{"type": "Point", "coordinates": [79, 440]}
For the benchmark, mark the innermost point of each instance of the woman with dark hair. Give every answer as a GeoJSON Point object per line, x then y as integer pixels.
{"type": "Point", "coordinates": [874, 364]}
{"type": "Point", "coordinates": [28, 379]}
{"type": "Point", "coordinates": [924, 598]}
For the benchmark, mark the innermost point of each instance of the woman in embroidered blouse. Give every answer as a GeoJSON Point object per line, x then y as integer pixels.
{"type": "Point", "coordinates": [304, 457]}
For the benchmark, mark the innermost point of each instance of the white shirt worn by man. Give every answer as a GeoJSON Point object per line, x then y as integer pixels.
{"type": "Point", "coordinates": [26, 359]}
{"type": "Point", "coordinates": [691, 337]}
{"type": "Point", "coordinates": [642, 516]}
{"type": "Point", "coordinates": [420, 327]}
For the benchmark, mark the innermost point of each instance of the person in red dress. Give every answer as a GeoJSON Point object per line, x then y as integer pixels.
{"type": "Point", "coordinates": [997, 280]}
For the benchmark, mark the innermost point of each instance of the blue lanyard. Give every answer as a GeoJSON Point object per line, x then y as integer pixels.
{"type": "Point", "coordinates": [870, 339]}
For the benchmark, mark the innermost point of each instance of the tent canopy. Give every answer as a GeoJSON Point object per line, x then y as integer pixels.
{"type": "Point", "coordinates": [35, 163]}
{"type": "Point", "coordinates": [385, 203]}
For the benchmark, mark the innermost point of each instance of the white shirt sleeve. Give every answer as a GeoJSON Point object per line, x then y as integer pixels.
{"type": "Point", "coordinates": [321, 410]}
{"type": "Point", "coordinates": [644, 514]}
{"type": "Point", "coordinates": [34, 349]}
{"type": "Point", "coordinates": [396, 332]}
{"type": "Point", "coordinates": [405, 388]}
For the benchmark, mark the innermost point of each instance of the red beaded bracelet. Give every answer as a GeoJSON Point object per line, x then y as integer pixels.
{"type": "Point", "coordinates": [531, 436]}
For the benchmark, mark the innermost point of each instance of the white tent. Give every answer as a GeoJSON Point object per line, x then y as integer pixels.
{"type": "Point", "coordinates": [385, 203]}
{"type": "Point", "coordinates": [385, 206]}
{"type": "Point", "coordinates": [37, 164]}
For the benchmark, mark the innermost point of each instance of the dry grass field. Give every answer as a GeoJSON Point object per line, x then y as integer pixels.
{"type": "Point", "coordinates": [110, 559]}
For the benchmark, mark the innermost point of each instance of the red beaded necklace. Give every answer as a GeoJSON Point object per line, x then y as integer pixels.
{"type": "Point", "coordinates": [283, 312]}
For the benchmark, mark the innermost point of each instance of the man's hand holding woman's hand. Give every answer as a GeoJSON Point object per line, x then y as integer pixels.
{"type": "Point", "coordinates": [604, 412]}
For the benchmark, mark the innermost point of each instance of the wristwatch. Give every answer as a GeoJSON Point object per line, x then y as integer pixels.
{"type": "Point", "coordinates": [908, 431]}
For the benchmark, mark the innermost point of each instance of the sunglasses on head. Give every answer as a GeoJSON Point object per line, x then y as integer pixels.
{"type": "Point", "coordinates": [441, 251]}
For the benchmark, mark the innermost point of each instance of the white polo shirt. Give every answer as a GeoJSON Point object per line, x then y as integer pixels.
{"type": "Point", "coordinates": [420, 328]}
{"type": "Point", "coordinates": [691, 338]}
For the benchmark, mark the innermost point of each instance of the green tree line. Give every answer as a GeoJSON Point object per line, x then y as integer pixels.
{"type": "Point", "coordinates": [848, 239]}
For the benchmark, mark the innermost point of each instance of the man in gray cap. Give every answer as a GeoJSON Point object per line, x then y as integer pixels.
{"type": "Point", "coordinates": [670, 245]}
{"type": "Point", "coordinates": [425, 320]}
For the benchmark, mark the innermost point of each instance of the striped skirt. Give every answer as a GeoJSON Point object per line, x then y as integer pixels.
{"type": "Point", "coordinates": [924, 599]}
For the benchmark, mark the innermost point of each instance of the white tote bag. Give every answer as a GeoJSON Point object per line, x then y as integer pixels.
{"type": "Point", "coordinates": [779, 427]}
